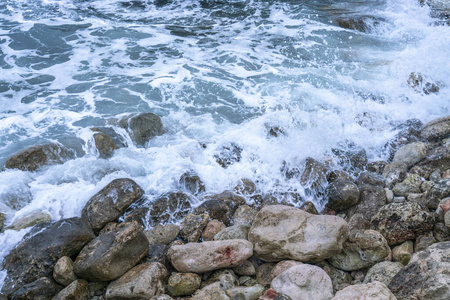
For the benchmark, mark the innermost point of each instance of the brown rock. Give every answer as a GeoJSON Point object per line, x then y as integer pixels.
{"type": "Point", "coordinates": [192, 226]}
{"type": "Point", "coordinates": [212, 228]}
{"type": "Point", "coordinates": [63, 271]}
{"type": "Point", "coordinates": [77, 290]}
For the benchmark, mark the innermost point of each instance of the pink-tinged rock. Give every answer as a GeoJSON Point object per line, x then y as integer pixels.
{"type": "Point", "coordinates": [209, 256]}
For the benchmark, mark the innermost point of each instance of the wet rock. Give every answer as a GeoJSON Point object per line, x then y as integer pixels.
{"type": "Point", "coordinates": [141, 282]}
{"type": "Point", "coordinates": [372, 198]}
{"type": "Point", "coordinates": [39, 250]}
{"type": "Point", "coordinates": [437, 159]}
{"type": "Point", "coordinates": [376, 166]}
{"type": "Point", "coordinates": [351, 156]}
{"type": "Point", "coordinates": [395, 172]}
{"type": "Point", "coordinates": [216, 210]}
{"type": "Point", "coordinates": [244, 215]}
{"type": "Point", "coordinates": [162, 234]}
{"type": "Point", "coordinates": [142, 127]}
{"type": "Point", "coordinates": [403, 252]}
{"type": "Point", "coordinates": [362, 23]}
{"type": "Point", "coordinates": [170, 207]}
{"type": "Point", "coordinates": [283, 232]}
{"type": "Point", "coordinates": [2, 220]}
{"type": "Point", "coordinates": [280, 268]}
{"type": "Point", "coordinates": [426, 276]}
{"type": "Point", "coordinates": [35, 157]}
{"type": "Point", "coordinates": [340, 279]}
{"type": "Point", "coordinates": [423, 241]}
{"type": "Point", "coordinates": [263, 274]}
{"type": "Point", "coordinates": [139, 215]}
{"type": "Point", "coordinates": [309, 207]}
{"type": "Point", "coordinates": [245, 187]}
{"type": "Point", "coordinates": [421, 84]}
{"type": "Point", "coordinates": [374, 290]}
{"type": "Point", "coordinates": [192, 226]}
{"type": "Point", "coordinates": [158, 253]}
{"type": "Point", "coordinates": [342, 194]}
{"type": "Point", "coordinates": [399, 222]}
{"type": "Point", "coordinates": [246, 293]}
{"type": "Point", "coordinates": [439, 190]}
{"type": "Point", "coordinates": [410, 185]}
{"type": "Point", "coordinates": [408, 132]}
{"type": "Point", "coordinates": [77, 290]}
{"type": "Point", "coordinates": [40, 289]}
{"type": "Point", "coordinates": [411, 154]}
{"type": "Point", "coordinates": [30, 220]}
{"type": "Point", "coordinates": [212, 228]}
{"type": "Point", "coordinates": [362, 249]}
{"type": "Point", "coordinates": [368, 178]}
{"type": "Point", "coordinates": [104, 143]}
{"type": "Point", "coordinates": [182, 284]}
{"type": "Point", "coordinates": [110, 203]}
{"type": "Point", "coordinates": [208, 256]}
{"type": "Point", "coordinates": [63, 271]}
{"type": "Point", "coordinates": [304, 282]}
{"type": "Point", "coordinates": [383, 272]}
{"type": "Point", "coordinates": [111, 254]}
{"type": "Point", "coordinates": [192, 183]}
{"type": "Point", "coordinates": [233, 232]}
{"type": "Point", "coordinates": [315, 176]}
{"type": "Point", "coordinates": [228, 154]}
{"type": "Point", "coordinates": [246, 268]}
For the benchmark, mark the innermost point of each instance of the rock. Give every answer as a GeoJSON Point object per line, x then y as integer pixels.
{"type": "Point", "coordinates": [192, 226]}
{"type": "Point", "coordinates": [427, 276]}
{"type": "Point", "coordinates": [407, 132]}
{"type": "Point", "coordinates": [351, 156]}
{"type": "Point", "coordinates": [246, 293]}
{"type": "Point", "coordinates": [411, 154]}
{"type": "Point", "coordinates": [212, 228]}
{"type": "Point", "coordinates": [221, 206]}
{"type": "Point", "coordinates": [35, 157]}
{"type": "Point", "coordinates": [437, 129]}
{"type": "Point", "coordinates": [304, 282]}
{"type": "Point", "coordinates": [141, 282]}
{"type": "Point", "coordinates": [447, 220]}
{"type": "Point", "coordinates": [209, 256]}
{"type": "Point", "coordinates": [63, 271]}
{"type": "Point", "coordinates": [439, 191]}
{"type": "Point", "coordinates": [372, 198]}
{"type": "Point", "coordinates": [247, 281]}
{"type": "Point", "coordinates": [424, 241]}
{"type": "Point", "coordinates": [309, 207]}
{"type": "Point", "coordinates": [30, 220]}
{"type": "Point", "coordinates": [246, 268]}
{"type": "Point", "coordinates": [403, 252]}
{"type": "Point", "coordinates": [342, 194]}
{"type": "Point", "coordinates": [441, 233]}
{"type": "Point", "coordinates": [2, 220]}
{"type": "Point", "coordinates": [340, 279]}
{"type": "Point", "coordinates": [270, 294]}
{"type": "Point", "coordinates": [280, 268]}
{"type": "Point", "coordinates": [142, 127]}
{"type": "Point", "coordinates": [358, 221]}
{"type": "Point", "coordinates": [170, 207]}
{"type": "Point", "coordinates": [228, 154]}
{"type": "Point", "coordinates": [443, 207]}
{"type": "Point", "coordinates": [226, 277]}
{"type": "Point", "coordinates": [111, 254]}
{"type": "Point", "coordinates": [374, 290]}
{"type": "Point", "coordinates": [40, 289]}
{"type": "Point", "coordinates": [383, 272]}
{"type": "Point", "coordinates": [244, 215]}
{"type": "Point", "coordinates": [141, 215]}
{"type": "Point", "coordinates": [77, 290]}
{"type": "Point", "coordinates": [362, 249]}
{"type": "Point", "coordinates": [213, 291]}
{"type": "Point", "coordinates": [162, 297]}
{"type": "Point", "coordinates": [435, 176]}
{"type": "Point", "coordinates": [263, 274]}
{"type": "Point", "coordinates": [376, 166]}
{"type": "Point", "coordinates": [421, 84]}
{"type": "Point", "coordinates": [191, 182]}
{"type": "Point", "coordinates": [39, 250]}
{"type": "Point", "coordinates": [283, 232]}
{"type": "Point", "coordinates": [363, 23]}
{"type": "Point", "coordinates": [183, 284]}
{"type": "Point", "coordinates": [110, 203]}
{"type": "Point", "coordinates": [158, 253]}
{"type": "Point", "coordinates": [437, 159]}
{"type": "Point", "coordinates": [399, 222]}
{"type": "Point", "coordinates": [245, 187]}
{"type": "Point", "coordinates": [105, 144]}
{"type": "Point", "coordinates": [314, 177]}
{"type": "Point", "coordinates": [162, 234]}
{"type": "Point", "coordinates": [410, 185]}
{"type": "Point", "coordinates": [233, 232]}
{"type": "Point", "coordinates": [395, 172]}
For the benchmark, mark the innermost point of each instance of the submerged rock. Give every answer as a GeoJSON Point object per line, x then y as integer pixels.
{"type": "Point", "coordinates": [142, 127]}
{"type": "Point", "coordinates": [362, 23]}
{"type": "Point", "coordinates": [437, 129]}
{"type": "Point", "coordinates": [192, 183]}
{"type": "Point", "coordinates": [228, 155]}
{"type": "Point", "coordinates": [421, 84]}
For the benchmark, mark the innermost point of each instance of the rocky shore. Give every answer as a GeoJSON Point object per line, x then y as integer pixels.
{"type": "Point", "coordinates": [384, 232]}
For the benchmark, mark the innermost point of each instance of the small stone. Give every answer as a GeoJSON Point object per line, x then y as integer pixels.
{"type": "Point", "coordinates": [212, 228]}
{"type": "Point", "coordinates": [162, 234]}
{"type": "Point", "coordinates": [79, 290]}
{"type": "Point", "coordinates": [63, 271]}
{"type": "Point", "coordinates": [244, 215]}
{"type": "Point", "coordinates": [374, 290]}
{"type": "Point", "coordinates": [245, 268]}
{"type": "Point", "coordinates": [213, 291]}
{"type": "Point", "coordinates": [403, 252]}
{"type": "Point", "coordinates": [192, 183]}
{"type": "Point", "coordinates": [389, 195]}
{"type": "Point", "coordinates": [182, 284]}
{"type": "Point", "coordinates": [263, 274]}
{"type": "Point", "coordinates": [383, 272]}
{"type": "Point", "coordinates": [192, 226]}
{"type": "Point", "coordinates": [105, 144]}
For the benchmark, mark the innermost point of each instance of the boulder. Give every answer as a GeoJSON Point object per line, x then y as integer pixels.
{"type": "Point", "coordinates": [362, 249]}
{"type": "Point", "coordinates": [110, 203]}
{"type": "Point", "coordinates": [63, 271]}
{"type": "Point", "coordinates": [437, 129]}
{"type": "Point", "coordinates": [39, 250]}
{"type": "Point", "coordinates": [427, 276]}
{"type": "Point", "coordinates": [105, 144]}
{"type": "Point", "coordinates": [374, 290]}
{"type": "Point", "coordinates": [304, 282]}
{"type": "Point", "coordinates": [280, 268]}
{"type": "Point", "coordinates": [244, 215]}
{"type": "Point", "coordinates": [383, 272]}
{"type": "Point", "coordinates": [246, 293]}
{"type": "Point", "coordinates": [282, 232]}
{"type": "Point", "coordinates": [170, 207]}
{"type": "Point", "coordinates": [142, 127]}
{"type": "Point", "coordinates": [42, 288]}
{"type": "Point", "coordinates": [439, 190]}
{"type": "Point", "coordinates": [437, 159]}
{"type": "Point", "coordinates": [35, 157]}
{"type": "Point", "coordinates": [111, 254]}
{"type": "Point", "coordinates": [209, 256]}
{"type": "Point", "coordinates": [162, 234]}
{"type": "Point", "coordinates": [30, 220]}
{"type": "Point", "coordinates": [77, 290]}
{"type": "Point", "coordinates": [191, 182]}
{"type": "Point", "coordinates": [403, 252]}
{"type": "Point", "coordinates": [212, 228]}
{"type": "Point", "coordinates": [342, 194]}
{"type": "Point", "coordinates": [411, 154]}
{"type": "Point", "coordinates": [395, 172]}
{"type": "Point", "coordinates": [399, 222]}
{"type": "Point", "coordinates": [192, 226]}
{"type": "Point", "coordinates": [246, 268]}
{"type": "Point", "coordinates": [233, 232]}
{"type": "Point", "coordinates": [315, 176]}
{"type": "Point", "coordinates": [410, 185]}
{"type": "Point", "coordinates": [423, 241]}
{"type": "Point", "coordinates": [183, 284]}
{"type": "Point", "coordinates": [221, 206]}
{"type": "Point", "coordinates": [372, 198]}
{"type": "Point", "coordinates": [141, 282]}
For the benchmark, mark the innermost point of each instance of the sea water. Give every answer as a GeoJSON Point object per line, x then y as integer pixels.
{"type": "Point", "coordinates": [218, 73]}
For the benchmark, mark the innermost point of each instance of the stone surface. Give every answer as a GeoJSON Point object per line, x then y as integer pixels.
{"type": "Point", "coordinates": [63, 271]}
{"type": "Point", "coordinates": [77, 290]}
{"type": "Point", "coordinates": [410, 185]}
{"type": "Point", "coordinates": [233, 232]}
{"type": "Point", "coordinates": [246, 293]}
{"type": "Point", "coordinates": [192, 226]}
{"type": "Point", "coordinates": [439, 190]}
{"type": "Point", "coordinates": [373, 291]}
{"type": "Point", "coordinates": [281, 267]}
{"type": "Point", "coordinates": [40, 289]}
{"type": "Point", "coordinates": [447, 220]}
{"type": "Point", "coordinates": [162, 297]}
{"type": "Point", "coordinates": [304, 282]}
{"type": "Point", "coordinates": [427, 276]}
{"type": "Point", "coordinates": [141, 282]}
{"type": "Point", "coordinates": [399, 222]}
{"type": "Point", "coordinates": [372, 198]}
{"type": "Point", "coordinates": [213, 291]}
{"type": "Point", "coordinates": [411, 154]}
{"type": "Point", "coordinates": [442, 209]}
{"type": "Point", "coordinates": [244, 215]}
{"type": "Point", "coordinates": [441, 233]}
{"type": "Point", "coordinates": [339, 278]}
{"type": "Point", "coordinates": [342, 194]}
{"type": "Point", "coordinates": [182, 284]}
{"type": "Point", "coordinates": [191, 182]}
{"type": "Point", "coordinates": [142, 127]}
{"type": "Point", "coordinates": [39, 250]}
{"type": "Point", "coordinates": [225, 277]}
{"type": "Point", "coordinates": [228, 154]}
{"type": "Point", "coordinates": [105, 144]}
{"type": "Point", "coordinates": [111, 254]}
{"type": "Point", "coordinates": [309, 207]}
{"type": "Point", "coordinates": [212, 228]}
{"type": "Point", "coordinates": [30, 220]}
{"type": "Point", "coordinates": [362, 249]}
{"type": "Point", "coordinates": [209, 256]}
{"type": "Point", "coordinates": [245, 187]}
{"type": "Point", "coordinates": [246, 268]}
{"type": "Point", "coordinates": [282, 232]}
{"type": "Point", "coordinates": [35, 157]}
{"type": "Point", "coordinates": [437, 129]}
{"type": "Point", "coordinates": [383, 272]}
{"type": "Point", "coordinates": [110, 203]}
{"type": "Point", "coordinates": [437, 159]}
{"type": "Point", "coordinates": [395, 172]}
{"type": "Point", "coordinates": [162, 234]}
{"type": "Point", "coordinates": [423, 241]}
{"type": "Point", "coordinates": [403, 252]}
{"type": "Point", "coordinates": [263, 272]}
{"type": "Point", "coordinates": [170, 207]}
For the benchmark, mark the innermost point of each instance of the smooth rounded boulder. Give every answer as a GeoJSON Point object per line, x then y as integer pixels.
{"type": "Point", "coordinates": [370, 291]}
{"type": "Point", "coordinates": [282, 232]}
{"type": "Point", "coordinates": [209, 256]}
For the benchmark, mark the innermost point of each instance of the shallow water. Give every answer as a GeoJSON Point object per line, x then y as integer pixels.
{"type": "Point", "coordinates": [217, 72]}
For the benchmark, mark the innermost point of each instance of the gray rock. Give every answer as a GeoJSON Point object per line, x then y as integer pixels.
{"type": "Point", "coordinates": [403, 252]}
{"type": "Point", "coordinates": [158, 253]}
{"type": "Point", "coordinates": [245, 187]}
{"type": "Point", "coordinates": [246, 268]}
{"type": "Point", "coordinates": [105, 144]}
{"type": "Point", "coordinates": [376, 166]}
{"type": "Point", "coordinates": [340, 279]}
{"type": "Point", "coordinates": [383, 272]}
{"type": "Point", "coordinates": [212, 228]}
{"type": "Point", "coordinates": [192, 226]}
{"type": "Point", "coordinates": [342, 194]}
{"type": "Point", "coordinates": [280, 268]}
{"type": "Point", "coordinates": [233, 232]}
{"type": "Point", "coordinates": [372, 198]}
{"type": "Point", "coordinates": [374, 290]}
{"type": "Point", "coordinates": [309, 207]}
{"type": "Point", "coordinates": [423, 241]}
{"type": "Point", "coordinates": [439, 191]}
{"type": "Point", "coordinates": [411, 154]}
{"type": "Point", "coordinates": [2, 220]}
{"type": "Point", "coordinates": [162, 234]}
{"type": "Point", "coordinates": [395, 172]}
{"type": "Point", "coordinates": [183, 284]}
{"type": "Point", "coordinates": [263, 274]}
{"type": "Point", "coordinates": [441, 233]}
{"type": "Point", "coordinates": [437, 129]}
{"type": "Point", "coordinates": [447, 219]}
{"type": "Point", "coordinates": [110, 203]}
{"type": "Point", "coordinates": [244, 215]}
{"type": "Point", "coordinates": [40, 289]}
{"type": "Point", "coordinates": [437, 159]}
{"type": "Point", "coordinates": [226, 277]}
{"type": "Point", "coordinates": [228, 154]}
{"type": "Point", "coordinates": [191, 183]}
{"type": "Point", "coordinates": [213, 291]}
{"type": "Point", "coordinates": [63, 271]}
{"type": "Point", "coordinates": [162, 297]}
{"type": "Point", "coordinates": [246, 293]}
{"type": "Point", "coordinates": [77, 290]}
{"type": "Point", "coordinates": [170, 207]}
{"type": "Point", "coordinates": [410, 185]}
{"type": "Point", "coordinates": [443, 204]}
{"type": "Point", "coordinates": [142, 127]}
{"type": "Point", "coordinates": [221, 206]}
{"type": "Point", "coordinates": [30, 220]}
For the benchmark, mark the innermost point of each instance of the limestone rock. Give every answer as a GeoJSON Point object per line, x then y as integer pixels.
{"type": "Point", "coordinates": [342, 194]}
{"type": "Point", "coordinates": [142, 127]}
{"type": "Point", "coordinates": [427, 276]}
{"type": "Point", "coordinates": [447, 220]}
{"type": "Point", "coordinates": [30, 220]}
{"type": "Point", "coordinates": [399, 222]}
{"type": "Point", "coordinates": [411, 154]}
{"type": "Point", "coordinates": [208, 256]}
{"type": "Point", "coordinates": [110, 203]}
{"type": "Point", "coordinates": [212, 228]}
{"type": "Point", "coordinates": [281, 267]}
{"type": "Point", "coordinates": [182, 284]}
{"type": "Point", "coordinates": [192, 226]}
{"type": "Point", "coordinates": [383, 272]}
{"type": "Point", "coordinates": [403, 252]}
{"type": "Point", "coordinates": [221, 206]}
{"type": "Point", "coordinates": [436, 130]}
{"type": "Point", "coordinates": [162, 234]}
{"type": "Point", "coordinates": [63, 271]}
{"type": "Point", "coordinates": [374, 291]}
{"type": "Point", "coordinates": [304, 282]}
{"type": "Point", "coordinates": [111, 254]}
{"type": "Point", "coordinates": [233, 232]}
{"type": "Point", "coordinates": [77, 290]}
{"type": "Point", "coordinates": [283, 232]}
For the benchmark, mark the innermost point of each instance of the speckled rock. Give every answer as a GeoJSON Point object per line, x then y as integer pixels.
{"type": "Point", "coordinates": [403, 252]}
{"type": "Point", "coordinates": [436, 130]}
{"type": "Point", "coordinates": [439, 190]}
{"type": "Point", "coordinates": [212, 228]}
{"type": "Point", "coordinates": [170, 207]}
{"type": "Point", "coordinates": [410, 185]}
{"type": "Point", "coordinates": [162, 234]}
{"type": "Point", "coordinates": [373, 291]}
{"type": "Point", "coordinates": [233, 232]}
{"type": "Point", "coordinates": [423, 241]}
{"type": "Point", "coordinates": [77, 290]}
{"type": "Point", "coordinates": [411, 154]}
{"type": "Point", "coordinates": [192, 226]}
{"type": "Point", "coordinates": [395, 172]}
{"type": "Point", "coordinates": [181, 284]}
{"type": "Point", "coordinates": [244, 215]}
{"type": "Point", "coordinates": [246, 293]}
{"type": "Point", "coordinates": [246, 268]}
{"type": "Point", "coordinates": [383, 272]}
{"type": "Point", "coordinates": [63, 271]}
